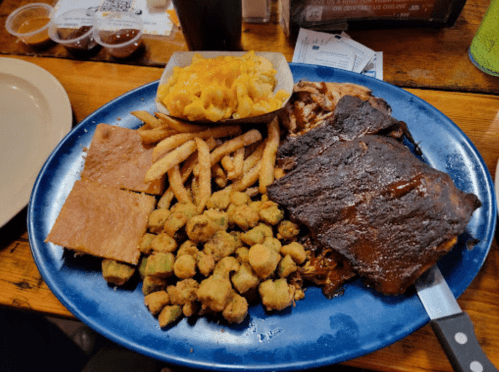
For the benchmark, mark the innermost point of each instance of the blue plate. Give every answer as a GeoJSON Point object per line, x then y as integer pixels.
{"type": "Point", "coordinates": [317, 331]}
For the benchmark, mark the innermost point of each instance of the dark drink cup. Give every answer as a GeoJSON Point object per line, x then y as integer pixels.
{"type": "Point", "coordinates": [210, 24]}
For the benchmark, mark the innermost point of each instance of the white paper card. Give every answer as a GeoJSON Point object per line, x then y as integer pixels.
{"type": "Point", "coordinates": [318, 48]}
{"type": "Point", "coordinates": [375, 67]}
{"type": "Point", "coordinates": [362, 53]}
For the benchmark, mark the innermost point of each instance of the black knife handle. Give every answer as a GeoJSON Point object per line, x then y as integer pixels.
{"type": "Point", "coordinates": [457, 337]}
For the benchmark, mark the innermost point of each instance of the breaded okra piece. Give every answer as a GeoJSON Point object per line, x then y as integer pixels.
{"type": "Point", "coordinates": [169, 314]}
{"type": "Point", "coordinates": [156, 301]}
{"type": "Point", "coordinates": [160, 265]}
{"type": "Point", "coordinates": [116, 272]}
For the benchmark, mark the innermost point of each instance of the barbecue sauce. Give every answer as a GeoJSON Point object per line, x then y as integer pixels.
{"type": "Point", "coordinates": [39, 40]}
{"type": "Point", "coordinates": [121, 37]}
{"type": "Point", "coordinates": [81, 47]}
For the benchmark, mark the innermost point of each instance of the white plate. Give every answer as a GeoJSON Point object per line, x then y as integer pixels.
{"type": "Point", "coordinates": [35, 116]}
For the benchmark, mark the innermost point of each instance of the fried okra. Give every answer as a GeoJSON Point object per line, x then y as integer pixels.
{"type": "Point", "coordinates": [237, 237]}
{"type": "Point", "coordinates": [242, 254]}
{"type": "Point", "coordinates": [245, 278]}
{"type": "Point", "coordinates": [286, 266]}
{"type": "Point", "coordinates": [287, 230]}
{"type": "Point", "coordinates": [245, 217]}
{"type": "Point", "coordinates": [183, 292]}
{"type": "Point", "coordinates": [225, 266]}
{"type": "Point", "coordinates": [201, 228]}
{"type": "Point", "coordinates": [214, 293]}
{"type": "Point", "coordinates": [296, 251]}
{"type": "Point", "coordinates": [276, 294]}
{"type": "Point", "coordinates": [205, 263]}
{"type": "Point", "coordinates": [257, 234]}
{"type": "Point", "coordinates": [169, 314]}
{"type": "Point", "coordinates": [142, 267]}
{"type": "Point", "coordinates": [145, 243]}
{"type": "Point", "coordinates": [179, 215]}
{"type": "Point", "coordinates": [270, 213]}
{"type": "Point", "coordinates": [190, 308]}
{"type": "Point", "coordinates": [236, 309]}
{"type": "Point", "coordinates": [273, 243]}
{"type": "Point", "coordinates": [156, 301]}
{"type": "Point", "coordinates": [157, 220]}
{"type": "Point", "coordinates": [164, 243]}
{"type": "Point", "coordinates": [185, 266]}
{"type": "Point", "coordinates": [218, 200]}
{"type": "Point", "coordinates": [160, 265]}
{"type": "Point", "coordinates": [239, 198]}
{"type": "Point", "coordinates": [115, 272]}
{"type": "Point", "coordinates": [220, 218]}
{"type": "Point", "coordinates": [152, 284]}
{"type": "Point", "coordinates": [220, 245]}
{"type": "Point", "coordinates": [263, 260]}
{"type": "Point", "coordinates": [188, 248]}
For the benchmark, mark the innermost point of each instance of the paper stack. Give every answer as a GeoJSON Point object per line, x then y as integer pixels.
{"type": "Point", "coordinates": [339, 51]}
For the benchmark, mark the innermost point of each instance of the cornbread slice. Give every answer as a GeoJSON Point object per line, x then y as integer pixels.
{"type": "Point", "coordinates": [118, 158]}
{"type": "Point", "coordinates": [103, 221]}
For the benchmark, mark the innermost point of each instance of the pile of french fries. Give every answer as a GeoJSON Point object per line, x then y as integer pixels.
{"type": "Point", "coordinates": [233, 159]}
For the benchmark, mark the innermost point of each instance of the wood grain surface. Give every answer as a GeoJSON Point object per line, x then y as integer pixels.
{"type": "Point", "coordinates": [92, 84]}
{"type": "Point", "coordinates": [413, 57]}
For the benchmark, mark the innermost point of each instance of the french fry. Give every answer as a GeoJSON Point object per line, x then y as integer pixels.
{"type": "Point", "coordinates": [155, 135]}
{"type": "Point", "coordinates": [227, 164]}
{"type": "Point", "coordinates": [269, 154]}
{"type": "Point", "coordinates": [278, 173]}
{"type": "Point", "coordinates": [248, 180]}
{"type": "Point", "coordinates": [185, 172]}
{"type": "Point", "coordinates": [248, 150]}
{"type": "Point", "coordinates": [195, 190]}
{"type": "Point", "coordinates": [150, 121]}
{"type": "Point", "coordinates": [179, 125]}
{"type": "Point", "coordinates": [166, 199]}
{"type": "Point", "coordinates": [238, 162]}
{"type": "Point", "coordinates": [219, 175]}
{"type": "Point", "coordinates": [170, 160]}
{"type": "Point", "coordinates": [253, 158]}
{"type": "Point", "coordinates": [236, 143]}
{"type": "Point", "coordinates": [176, 140]}
{"type": "Point", "coordinates": [204, 175]}
{"type": "Point", "coordinates": [175, 180]}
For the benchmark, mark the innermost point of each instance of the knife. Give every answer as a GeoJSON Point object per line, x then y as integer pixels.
{"type": "Point", "coordinates": [452, 326]}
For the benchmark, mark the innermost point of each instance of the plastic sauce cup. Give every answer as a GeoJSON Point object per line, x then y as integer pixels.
{"type": "Point", "coordinates": [74, 31]}
{"type": "Point", "coordinates": [30, 24]}
{"type": "Point", "coordinates": [119, 33]}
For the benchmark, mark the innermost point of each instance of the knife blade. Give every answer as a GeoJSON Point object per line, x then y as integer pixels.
{"type": "Point", "coordinates": [452, 326]}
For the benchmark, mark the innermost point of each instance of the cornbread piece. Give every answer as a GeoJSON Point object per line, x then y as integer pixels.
{"type": "Point", "coordinates": [118, 158]}
{"type": "Point", "coordinates": [103, 221]}
{"type": "Point", "coordinates": [389, 214]}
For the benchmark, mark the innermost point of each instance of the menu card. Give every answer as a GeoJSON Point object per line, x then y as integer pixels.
{"type": "Point", "coordinates": [339, 51]}
{"type": "Point", "coordinates": [156, 19]}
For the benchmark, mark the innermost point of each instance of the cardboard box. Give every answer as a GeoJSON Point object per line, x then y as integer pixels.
{"type": "Point", "coordinates": [336, 15]}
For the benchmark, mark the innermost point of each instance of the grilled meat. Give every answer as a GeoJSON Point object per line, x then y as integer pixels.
{"type": "Point", "coordinates": [314, 102]}
{"type": "Point", "coordinates": [370, 199]}
{"type": "Point", "coordinates": [353, 118]}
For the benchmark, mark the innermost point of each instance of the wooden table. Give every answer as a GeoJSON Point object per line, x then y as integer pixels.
{"type": "Point", "coordinates": [432, 64]}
